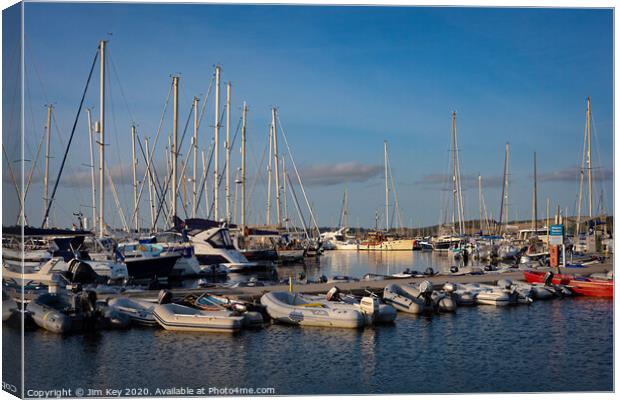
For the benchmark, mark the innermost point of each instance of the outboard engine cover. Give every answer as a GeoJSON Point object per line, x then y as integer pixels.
{"type": "Point", "coordinates": [429, 271]}
{"type": "Point", "coordinates": [426, 287]}
{"type": "Point", "coordinates": [504, 283]}
{"type": "Point", "coordinates": [548, 278]}
{"type": "Point", "coordinates": [81, 272]}
{"type": "Point", "coordinates": [164, 297]}
{"type": "Point", "coordinates": [333, 294]}
{"type": "Point", "coordinates": [449, 287]}
{"type": "Point", "coordinates": [454, 269]}
{"type": "Point", "coordinates": [369, 305]}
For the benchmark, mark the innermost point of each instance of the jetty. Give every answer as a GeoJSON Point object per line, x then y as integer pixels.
{"type": "Point", "coordinates": [375, 286]}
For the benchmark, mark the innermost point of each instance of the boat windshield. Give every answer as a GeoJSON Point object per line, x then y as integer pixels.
{"type": "Point", "coordinates": [221, 240]}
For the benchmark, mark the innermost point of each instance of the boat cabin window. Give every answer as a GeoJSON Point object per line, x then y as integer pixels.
{"type": "Point", "coordinates": [221, 240]}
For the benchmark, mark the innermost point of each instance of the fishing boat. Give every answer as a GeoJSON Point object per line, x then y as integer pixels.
{"type": "Point", "coordinates": [297, 309]}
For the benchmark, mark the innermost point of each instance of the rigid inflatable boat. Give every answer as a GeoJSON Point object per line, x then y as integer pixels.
{"type": "Point", "coordinates": [297, 309]}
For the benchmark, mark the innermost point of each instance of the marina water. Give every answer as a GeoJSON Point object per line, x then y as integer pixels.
{"type": "Point", "coordinates": [557, 345]}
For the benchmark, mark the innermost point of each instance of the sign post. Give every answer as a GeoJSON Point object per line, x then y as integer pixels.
{"type": "Point", "coordinates": [556, 238]}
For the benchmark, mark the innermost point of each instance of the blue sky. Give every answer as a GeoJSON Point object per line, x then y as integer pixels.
{"type": "Point", "coordinates": [345, 79]}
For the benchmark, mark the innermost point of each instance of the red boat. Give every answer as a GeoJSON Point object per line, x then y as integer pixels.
{"type": "Point", "coordinates": [539, 277]}
{"type": "Point", "coordinates": [592, 287]}
{"type": "Point", "coordinates": [578, 285]}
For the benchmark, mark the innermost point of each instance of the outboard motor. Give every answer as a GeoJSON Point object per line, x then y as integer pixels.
{"type": "Point", "coordinates": [370, 307]}
{"type": "Point", "coordinates": [454, 269]}
{"type": "Point", "coordinates": [81, 272]}
{"type": "Point", "coordinates": [489, 268]}
{"type": "Point", "coordinates": [504, 283]}
{"type": "Point", "coordinates": [449, 287]}
{"type": "Point", "coordinates": [548, 278]}
{"type": "Point", "coordinates": [323, 279]}
{"type": "Point", "coordinates": [429, 271]}
{"type": "Point", "coordinates": [164, 297]}
{"type": "Point", "coordinates": [333, 294]}
{"type": "Point", "coordinates": [426, 292]}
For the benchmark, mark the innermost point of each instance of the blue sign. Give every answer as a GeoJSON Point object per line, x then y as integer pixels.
{"type": "Point", "coordinates": [556, 230]}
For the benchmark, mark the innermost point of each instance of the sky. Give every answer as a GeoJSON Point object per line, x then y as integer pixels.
{"type": "Point", "coordinates": [344, 80]}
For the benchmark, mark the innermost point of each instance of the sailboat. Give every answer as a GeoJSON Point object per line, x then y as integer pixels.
{"type": "Point", "coordinates": [386, 240]}
{"type": "Point", "coordinates": [450, 238]}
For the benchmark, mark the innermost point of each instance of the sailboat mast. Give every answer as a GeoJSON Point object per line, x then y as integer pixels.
{"type": "Point", "coordinates": [173, 149]}
{"type": "Point", "coordinates": [387, 207]}
{"type": "Point", "coordinates": [92, 171]}
{"type": "Point", "coordinates": [480, 198]}
{"type": "Point", "coordinates": [535, 201]}
{"type": "Point", "coordinates": [102, 138]}
{"type": "Point", "coordinates": [47, 163]}
{"type": "Point", "coordinates": [216, 167]}
{"type": "Point", "coordinates": [503, 209]}
{"type": "Point", "coordinates": [243, 139]}
{"type": "Point", "coordinates": [134, 164]}
{"type": "Point", "coordinates": [276, 163]}
{"type": "Point", "coordinates": [195, 149]}
{"type": "Point", "coordinates": [457, 177]}
{"type": "Point", "coordinates": [150, 178]}
{"type": "Point", "coordinates": [589, 155]}
{"type": "Point", "coordinates": [268, 213]}
{"type": "Point", "coordinates": [227, 148]}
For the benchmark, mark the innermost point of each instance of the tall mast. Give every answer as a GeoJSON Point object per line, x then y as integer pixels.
{"type": "Point", "coordinates": [134, 164]}
{"type": "Point", "coordinates": [458, 194]}
{"type": "Point", "coordinates": [227, 148]}
{"type": "Point", "coordinates": [47, 163]}
{"type": "Point", "coordinates": [173, 149]}
{"type": "Point", "coordinates": [284, 192]}
{"type": "Point", "coordinates": [480, 198]}
{"type": "Point", "coordinates": [92, 171]}
{"type": "Point", "coordinates": [216, 167]}
{"type": "Point", "coordinates": [195, 150]}
{"type": "Point", "coordinates": [535, 201]}
{"type": "Point", "coordinates": [101, 138]}
{"type": "Point", "coordinates": [150, 179]}
{"type": "Point", "coordinates": [588, 119]}
{"type": "Point", "coordinates": [243, 138]}
{"type": "Point", "coordinates": [268, 214]}
{"type": "Point", "coordinates": [503, 209]}
{"type": "Point", "coordinates": [387, 207]}
{"type": "Point", "coordinates": [276, 163]}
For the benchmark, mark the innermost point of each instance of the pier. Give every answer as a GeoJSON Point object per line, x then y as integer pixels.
{"type": "Point", "coordinates": [363, 287]}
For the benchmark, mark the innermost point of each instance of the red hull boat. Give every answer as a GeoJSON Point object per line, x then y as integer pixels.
{"type": "Point", "coordinates": [578, 285]}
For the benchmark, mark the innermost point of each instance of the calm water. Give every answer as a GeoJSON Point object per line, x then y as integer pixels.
{"type": "Point", "coordinates": [549, 346]}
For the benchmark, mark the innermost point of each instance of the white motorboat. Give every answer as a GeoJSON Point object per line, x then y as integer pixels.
{"type": "Point", "coordinates": [373, 309]}
{"type": "Point", "coordinates": [214, 246]}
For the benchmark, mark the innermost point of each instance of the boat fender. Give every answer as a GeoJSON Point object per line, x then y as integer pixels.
{"type": "Point", "coordinates": [164, 297]}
